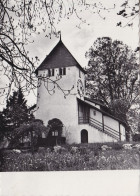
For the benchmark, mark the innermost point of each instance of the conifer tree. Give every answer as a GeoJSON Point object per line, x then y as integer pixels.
{"type": "Point", "coordinates": [2, 126]}
{"type": "Point", "coordinates": [16, 111]}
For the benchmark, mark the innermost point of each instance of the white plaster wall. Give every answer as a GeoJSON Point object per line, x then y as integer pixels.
{"type": "Point", "coordinates": [93, 135]}
{"type": "Point", "coordinates": [55, 105]}
{"type": "Point", "coordinates": [98, 115]}
{"type": "Point", "coordinates": [122, 130]}
{"type": "Point", "coordinates": [110, 122]}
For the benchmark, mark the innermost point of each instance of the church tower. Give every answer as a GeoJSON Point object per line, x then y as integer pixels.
{"type": "Point", "coordinates": [61, 96]}
{"type": "Point", "coordinates": [61, 81]}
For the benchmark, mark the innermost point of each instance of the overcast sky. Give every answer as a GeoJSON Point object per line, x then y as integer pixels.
{"type": "Point", "coordinates": [78, 40]}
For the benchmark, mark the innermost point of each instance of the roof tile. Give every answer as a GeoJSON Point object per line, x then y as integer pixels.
{"type": "Point", "coordinates": [59, 57]}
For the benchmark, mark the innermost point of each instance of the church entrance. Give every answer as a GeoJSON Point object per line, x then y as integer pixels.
{"type": "Point", "coordinates": [54, 136]}
{"type": "Point", "coordinates": [84, 136]}
{"type": "Point", "coordinates": [55, 133]}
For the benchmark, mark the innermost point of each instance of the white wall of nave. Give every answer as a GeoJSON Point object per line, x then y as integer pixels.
{"type": "Point", "coordinates": [74, 134]}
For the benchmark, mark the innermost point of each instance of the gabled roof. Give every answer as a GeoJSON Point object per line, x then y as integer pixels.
{"type": "Point", "coordinates": [59, 57]}
{"type": "Point", "coordinates": [94, 101]}
{"type": "Point", "coordinates": [102, 111]}
{"type": "Point", "coordinates": [97, 102]}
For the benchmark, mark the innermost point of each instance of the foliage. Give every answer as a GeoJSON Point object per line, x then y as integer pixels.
{"type": "Point", "coordinates": [2, 126]}
{"type": "Point", "coordinates": [113, 75]}
{"type": "Point", "coordinates": [31, 131]}
{"type": "Point", "coordinates": [16, 112]}
{"type": "Point", "coordinates": [20, 22]}
{"type": "Point", "coordinates": [85, 157]}
{"type": "Point", "coordinates": [55, 124]}
{"type": "Point", "coordinates": [136, 137]}
{"type": "Point", "coordinates": [134, 118]}
{"type": "Point", "coordinates": [139, 125]}
{"type": "Point", "coordinates": [129, 10]}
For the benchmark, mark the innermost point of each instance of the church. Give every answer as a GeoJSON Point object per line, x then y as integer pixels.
{"type": "Point", "coordinates": [61, 95]}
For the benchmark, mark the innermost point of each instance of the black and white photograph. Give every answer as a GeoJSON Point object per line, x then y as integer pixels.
{"type": "Point", "coordinates": [69, 86]}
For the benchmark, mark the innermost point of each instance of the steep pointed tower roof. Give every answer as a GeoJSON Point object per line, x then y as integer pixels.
{"type": "Point", "coordinates": [59, 57]}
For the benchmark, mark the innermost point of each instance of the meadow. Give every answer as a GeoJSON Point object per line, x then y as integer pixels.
{"type": "Point", "coordinates": [99, 156]}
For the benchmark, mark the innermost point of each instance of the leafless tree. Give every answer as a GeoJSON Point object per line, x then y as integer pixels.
{"type": "Point", "coordinates": [19, 21]}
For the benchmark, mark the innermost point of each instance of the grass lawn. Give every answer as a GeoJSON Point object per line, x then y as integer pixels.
{"type": "Point", "coordinates": [72, 158]}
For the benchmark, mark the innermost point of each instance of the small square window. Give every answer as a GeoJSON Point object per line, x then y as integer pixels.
{"type": "Point", "coordinates": [54, 133]}
{"type": "Point", "coordinates": [94, 112]}
{"type": "Point", "coordinates": [62, 71]}
{"type": "Point", "coordinates": [50, 72]}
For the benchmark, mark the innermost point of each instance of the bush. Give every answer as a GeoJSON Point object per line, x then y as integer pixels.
{"type": "Point", "coordinates": [71, 157]}
{"type": "Point", "coordinates": [136, 137]}
{"type": "Point", "coordinates": [29, 132]}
